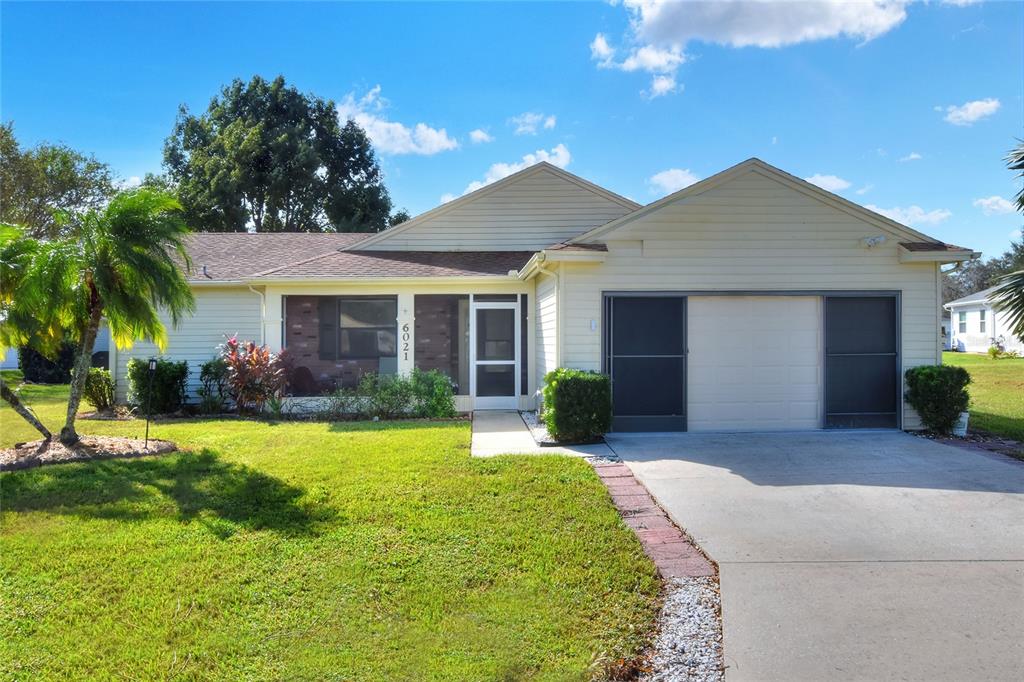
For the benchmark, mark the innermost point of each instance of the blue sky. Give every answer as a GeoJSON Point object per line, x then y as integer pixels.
{"type": "Point", "coordinates": [908, 108]}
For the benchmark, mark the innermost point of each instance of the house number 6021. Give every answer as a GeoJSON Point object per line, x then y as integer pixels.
{"type": "Point", "coordinates": [405, 341]}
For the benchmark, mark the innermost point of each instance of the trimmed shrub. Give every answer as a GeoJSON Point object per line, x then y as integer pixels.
{"type": "Point", "coordinates": [433, 394]}
{"type": "Point", "coordinates": [385, 396]}
{"type": "Point", "coordinates": [390, 396]}
{"type": "Point", "coordinates": [99, 389]}
{"type": "Point", "coordinates": [39, 369]}
{"type": "Point", "coordinates": [168, 385]}
{"type": "Point", "coordinates": [213, 394]}
{"type": "Point", "coordinates": [939, 394]}
{"type": "Point", "coordinates": [577, 404]}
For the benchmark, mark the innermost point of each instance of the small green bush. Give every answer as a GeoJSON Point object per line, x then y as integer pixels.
{"type": "Point", "coordinates": [433, 394]}
{"type": "Point", "coordinates": [213, 394]}
{"type": "Point", "coordinates": [999, 353]}
{"type": "Point", "coordinates": [389, 396]}
{"type": "Point", "coordinates": [577, 404]}
{"type": "Point", "coordinates": [384, 396]}
{"type": "Point", "coordinates": [39, 369]}
{"type": "Point", "coordinates": [168, 385]}
{"type": "Point", "coordinates": [99, 389]}
{"type": "Point", "coordinates": [939, 394]}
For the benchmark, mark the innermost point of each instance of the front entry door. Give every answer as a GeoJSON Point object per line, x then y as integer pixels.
{"type": "Point", "coordinates": [493, 352]}
{"type": "Point", "coordinates": [645, 354]}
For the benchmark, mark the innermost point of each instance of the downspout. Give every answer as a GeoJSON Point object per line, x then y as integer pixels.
{"type": "Point", "coordinates": [263, 314]}
{"type": "Point", "coordinates": [558, 308]}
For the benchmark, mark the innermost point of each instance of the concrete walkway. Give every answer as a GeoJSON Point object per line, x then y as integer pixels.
{"type": "Point", "coordinates": [851, 556]}
{"type": "Point", "coordinates": [505, 433]}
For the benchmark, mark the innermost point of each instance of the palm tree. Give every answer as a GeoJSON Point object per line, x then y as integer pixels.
{"type": "Point", "coordinates": [1009, 296]}
{"type": "Point", "coordinates": [125, 266]}
{"type": "Point", "coordinates": [33, 299]}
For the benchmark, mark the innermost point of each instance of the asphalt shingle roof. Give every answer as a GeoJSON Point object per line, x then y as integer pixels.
{"type": "Point", "coordinates": [240, 255]}
{"type": "Point", "coordinates": [346, 264]}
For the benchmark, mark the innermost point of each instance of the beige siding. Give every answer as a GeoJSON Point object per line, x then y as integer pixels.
{"type": "Point", "coordinates": [752, 233]}
{"type": "Point", "coordinates": [219, 313]}
{"type": "Point", "coordinates": [537, 211]}
{"type": "Point", "coordinates": [547, 326]}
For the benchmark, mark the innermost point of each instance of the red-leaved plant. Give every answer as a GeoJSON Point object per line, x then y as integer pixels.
{"type": "Point", "coordinates": [255, 375]}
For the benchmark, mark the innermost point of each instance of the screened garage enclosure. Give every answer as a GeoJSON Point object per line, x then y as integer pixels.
{"type": "Point", "coordinates": [752, 361]}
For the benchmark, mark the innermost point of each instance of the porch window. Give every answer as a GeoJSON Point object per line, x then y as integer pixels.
{"type": "Point", "coordinates": [981, 321]}
{"type": "Point", "coordinates": [333, 341]}
{"type": "Point", "coordinates": [441, 340]}
{"type": "Point", "coordinates": [962, 323]}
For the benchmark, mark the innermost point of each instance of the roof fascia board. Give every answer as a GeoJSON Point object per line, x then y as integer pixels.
{"type": "Point", "coordinates": [482, 279]}
{"type": "Point", "coordinates": [907, 256]}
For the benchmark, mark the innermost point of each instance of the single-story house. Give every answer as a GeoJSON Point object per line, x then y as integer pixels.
{"type": "Point", "coordinates": [946, 332]}
{"type": "Point", "coordinates": [977, 326]}
{"type": "Point", "coordinates": [751, 300]}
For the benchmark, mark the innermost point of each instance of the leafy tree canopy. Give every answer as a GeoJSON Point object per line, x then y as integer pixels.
{"type": "Point", "coordinates": [47, 188]}
{"type": "Point", "coordinates": [269, 158]}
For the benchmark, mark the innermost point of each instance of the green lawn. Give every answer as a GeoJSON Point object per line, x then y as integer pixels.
{"type": "Point", "coordinates": [997, 393]}
{"type": "Point", "coordinates": [312, 551]}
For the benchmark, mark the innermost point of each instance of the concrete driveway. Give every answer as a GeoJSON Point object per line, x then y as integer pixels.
{"type": "Point", "coordinates": [851, 556]}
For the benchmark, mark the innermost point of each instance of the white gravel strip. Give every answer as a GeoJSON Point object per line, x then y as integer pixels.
{"type": "Point", "coordinates": [538, 429]}
{"type": "Point", "coordinates": [689, 643]}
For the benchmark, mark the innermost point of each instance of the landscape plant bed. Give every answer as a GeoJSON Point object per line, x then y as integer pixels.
{"type": "Point", "coordinates": [540, 433]}
{"type": "Point", "coordinates": [41, 452]}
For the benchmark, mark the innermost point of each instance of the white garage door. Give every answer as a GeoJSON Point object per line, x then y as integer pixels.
{"type": "Point", "coordinates": [755, 363]}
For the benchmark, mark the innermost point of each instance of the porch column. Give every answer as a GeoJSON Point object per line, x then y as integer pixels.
{"type": "Point", "coordinates": [406, 333]}
{"type": "Point", "coordinates": [272, 318]}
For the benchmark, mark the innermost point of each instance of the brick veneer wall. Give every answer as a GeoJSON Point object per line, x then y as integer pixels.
{"type": "Point", "coordinates": [437, 336]}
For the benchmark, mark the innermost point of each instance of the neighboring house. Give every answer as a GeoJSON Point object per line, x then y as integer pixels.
{"type": "Point", "coordinates": [945, 332]}
{"type": "Point", "coordinates": [751, 300]}
{"type": "Point", "coordinates": [99, 356]}
{"type": "Point", "coordinates": [977, 326]}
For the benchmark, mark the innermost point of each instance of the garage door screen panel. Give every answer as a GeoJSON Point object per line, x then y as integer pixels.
{"type": "Point", "coordinates": [646, 357]}
{"type": "Point", "coordinates": [862, 362]}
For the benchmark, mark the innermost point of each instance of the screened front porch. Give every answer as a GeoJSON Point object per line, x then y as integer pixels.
{"type": "Point", "coordinates": [480, 341]}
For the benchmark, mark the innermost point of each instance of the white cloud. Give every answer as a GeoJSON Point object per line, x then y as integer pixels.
{"type": "Point", "coordinates": [600, 50]}
{"type": "Point", "coordinates": [746, 23]}
{"type": "Point", "coordinates": [529, 122]}
{"type": "Point", "coordinates": [912, 215]}
{"type": "Point", "coordinates": [994, 205]}
{"type": "Point", "coordinates": [775, 139]}
{"type": "Point", "coordinates": [446, 197]}
{"type": "Point", "coordinates": [833, 183]}
{"type": "Point", "coordinates": [970, 112]}
{"type": "Point", "coordinates": [131, 183]}
{"type": "Point", "coordinates": [960, 3]}
{"type": "Point", "coordinates": [390, 137]}
{"type": "Point", "coordinates": [557, 156]}
{"type": "Point", "coordinates": [1017, 234]}
{"type": "Point", "coordinates": [662, 85]}
{"type": "Point", "coordinates": [480, 136]}
{"type": "Point", "coordinates": [672, 180]}
{"type": "Point", "coordinates": [660, 30]}
{"type": "Point", "coordinates": [865, 189]}
{"type": "Point", "coordinates": [912, 156]}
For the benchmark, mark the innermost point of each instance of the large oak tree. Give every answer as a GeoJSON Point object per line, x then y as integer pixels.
{"type": "Point", "coordinates": [266, 157]}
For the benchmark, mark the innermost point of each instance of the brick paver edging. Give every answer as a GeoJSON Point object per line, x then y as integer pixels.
{"type": "Point", "coordinates": [670, 550]}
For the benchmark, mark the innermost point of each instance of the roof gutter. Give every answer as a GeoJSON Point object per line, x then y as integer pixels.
{"type": "Point", "coordinates": [533, 265]}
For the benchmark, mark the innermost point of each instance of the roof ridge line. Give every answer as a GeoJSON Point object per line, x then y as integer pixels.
{"type": "Point", "coordinates": [298, 262]}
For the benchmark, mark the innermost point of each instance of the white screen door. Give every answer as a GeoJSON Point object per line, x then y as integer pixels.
{"type": "Point", "coordinates": [494, 355]}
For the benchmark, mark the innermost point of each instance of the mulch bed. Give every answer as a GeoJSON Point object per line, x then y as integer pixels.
{"type": "Point", "coordinates": [39, 453]}
{"type": "Point", "coordinates": [980, 441]}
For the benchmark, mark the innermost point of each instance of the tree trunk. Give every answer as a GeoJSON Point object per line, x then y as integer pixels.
{"type": "Point", "coordinates": [80, 372]}
{"type": "Point", "coordinates": [15, 402]}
